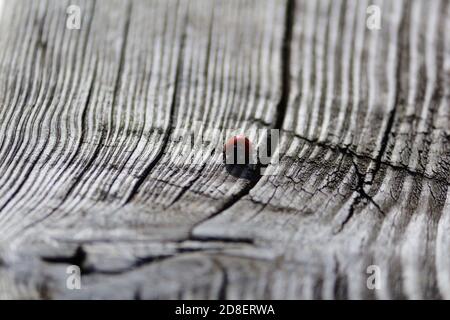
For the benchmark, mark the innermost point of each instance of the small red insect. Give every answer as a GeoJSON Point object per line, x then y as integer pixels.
{"type": "Point", "coordinates": [238, 150]}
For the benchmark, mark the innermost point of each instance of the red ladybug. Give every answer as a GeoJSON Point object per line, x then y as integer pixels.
{"type": "Point", "coordinates": [237, 150]}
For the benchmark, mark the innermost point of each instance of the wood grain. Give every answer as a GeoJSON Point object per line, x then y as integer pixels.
{"type": "Point", "coordinates": [93, 171]}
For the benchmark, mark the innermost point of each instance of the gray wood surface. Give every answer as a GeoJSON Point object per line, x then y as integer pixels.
{"type": "Point", "coordinates": [93, 173]}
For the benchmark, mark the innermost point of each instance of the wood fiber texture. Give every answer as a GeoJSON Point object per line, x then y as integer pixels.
{"type": "Point", "coordinates": [93, 171]}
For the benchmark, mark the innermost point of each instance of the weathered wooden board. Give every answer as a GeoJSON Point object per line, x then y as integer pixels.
{"type": "Point", "coordinates": [93, 170]}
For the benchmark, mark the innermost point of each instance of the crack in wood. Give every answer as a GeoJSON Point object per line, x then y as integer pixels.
{"type": "Point", "coordinates": [345, 150]}
{"type": "Point", "coordinates": [384, 140]}
{"type": "Point", "coordinates": [146, 172]}
{"type": "Point", "coordinates": [281, 109]}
